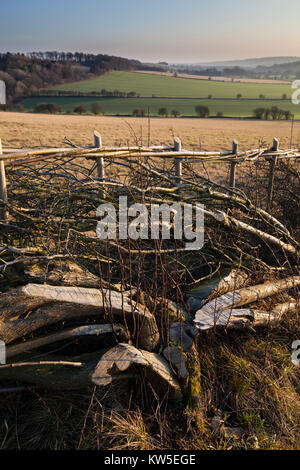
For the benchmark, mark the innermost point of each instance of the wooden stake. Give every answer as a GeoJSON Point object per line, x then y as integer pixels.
{"type": "Point", "coordinates": [178, 161]}
{"type": "Point", "coordinates": [273, 162]}
{"type": "Point", "coordinates": [3, 188]}
{"type": "Point", "coordinates": [100, 162]}
{"type": "Point", "coordinates": [233, 165]}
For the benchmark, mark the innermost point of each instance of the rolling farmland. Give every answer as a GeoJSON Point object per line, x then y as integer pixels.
{"type": "Point", "coordinates": [180, 94]}
{"type": "Point", "coordinates": [147, 84]}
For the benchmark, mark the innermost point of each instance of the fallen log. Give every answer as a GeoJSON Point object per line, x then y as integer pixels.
{"type": "Point", "coordinates": [214, 287]}
{"type": "Point", "coordinates": [124, 356]}
{"type": "Point", "coordinates": [65, 334]}
{"type": "Point", "coordinates": [222, 311]}
{"type": "Point", "coordinates": [58, 374]}
{"type": "Point", "coordinates": [246, 317]}
{"type": "Point", "coordinates": [28, 308]}
{"type": "Point", "coordinates": [101, 368]}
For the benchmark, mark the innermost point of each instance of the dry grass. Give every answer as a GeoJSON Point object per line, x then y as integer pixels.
{"type": "Point", "coordinates": [21, 130]}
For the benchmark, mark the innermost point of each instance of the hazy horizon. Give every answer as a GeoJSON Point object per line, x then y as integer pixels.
{"type": "Point", "coordinates": [172, 31]}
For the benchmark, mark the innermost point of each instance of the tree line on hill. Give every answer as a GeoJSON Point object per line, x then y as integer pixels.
{"type": "Point", "coordinates": [96, 62]}
{"type": "Point", "coordinates": [233, 72]}
{"type": "Point", "coordinates": [288, 71]}
{"type": "Point", "coordinates": [273, 113]}
{"type": "Point", "coordinates": [103, 92]}
{"type": "Point", "coordinates": [26, 74]}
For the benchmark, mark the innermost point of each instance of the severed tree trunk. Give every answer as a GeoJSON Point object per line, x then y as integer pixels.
{"type": "Point", "coordinates": [223, 310]}
{"type": "Point", "coordinates": [101, 368]}
{"type": "Point", "coordinates": [31, 307]}
{"type": "Point", "coordinates": [55, 376]}
{"type": "Point", "coordinates": [85, 330]}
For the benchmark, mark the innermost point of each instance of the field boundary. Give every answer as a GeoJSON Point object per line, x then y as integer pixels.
{"type": "Point", "coordinates": [13, 158]}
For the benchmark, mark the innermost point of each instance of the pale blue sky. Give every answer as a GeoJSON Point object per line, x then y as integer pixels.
{"type": "Point", "coordinates": [171, 30]}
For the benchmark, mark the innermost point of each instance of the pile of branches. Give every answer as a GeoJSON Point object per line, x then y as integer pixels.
{"type": "Point", "coordinates": [130, 309]}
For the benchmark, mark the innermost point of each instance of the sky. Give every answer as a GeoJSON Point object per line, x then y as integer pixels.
{"type": "Point", "coordinates": [154, 30]}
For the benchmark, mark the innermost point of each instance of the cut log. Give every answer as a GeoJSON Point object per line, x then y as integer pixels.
{"type": "Point", "coordinates": [214, 287]}
{"type": "Point", "coordinates": [243, 318]}
{"type": "Point", "coordinates": [81, 371]}
{"type": "Point", "coordinates": [124, 356]}
{"type": "Point", "coordinates": [34, 306]}
{"type": "Point", "coordinates": [85, 330]}
{"type": "Point", "coordinates": [55, 376]}
{"type": "Point", "coordinates": [223, 312]}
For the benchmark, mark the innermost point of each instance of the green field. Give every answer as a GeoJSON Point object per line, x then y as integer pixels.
{"type": "Point", "coordinates": [125, 106]}
{"type": "Point", "coordinates": [164, 86]}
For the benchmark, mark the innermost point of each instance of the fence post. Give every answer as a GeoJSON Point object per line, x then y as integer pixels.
{"type": "Point", "coordinates": [178, 161]}
{"type": "Point", "coordinates": [100, 162]}
{"type": "Point", "coordinates": [3, 188]}
{"type": "Point", "coordinates": [235, 146]}
{"type": "Point", "coordinates": [273, 162]}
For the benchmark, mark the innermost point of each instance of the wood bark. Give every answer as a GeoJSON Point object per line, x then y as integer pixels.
{"type": "Point", "coordinates": [223, 311]}
{"type": "Point", "coordinates": [28, 308]}
{"type": "Point", "coordinates": [124, 356]}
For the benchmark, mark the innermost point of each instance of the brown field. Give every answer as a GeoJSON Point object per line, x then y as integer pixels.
{"type": "Point", "coordinates": [218, 79]}
{"type": "Point", "coordinates": [19, 130]}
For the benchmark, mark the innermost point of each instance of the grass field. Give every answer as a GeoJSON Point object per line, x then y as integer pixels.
{"type": "Point", "coordinates": [186, 107]}
{"type": "Point", "coordinates": [181, 94]}
{"type": "Point", "coordinates": [21, 130]}
{"type": "Point", "coordinates": [151, 84]}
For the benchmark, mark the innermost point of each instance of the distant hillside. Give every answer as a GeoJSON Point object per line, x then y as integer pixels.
{"type": "Point", "coordinates": [286, 69]}
{"type": "Point", "coordinates": [249, 63]}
